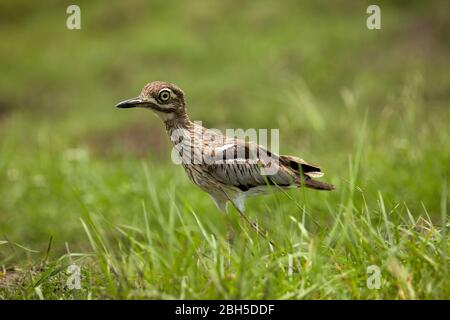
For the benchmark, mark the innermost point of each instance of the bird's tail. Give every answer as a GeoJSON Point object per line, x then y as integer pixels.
{"type": "Point", "coordinates": [314, 184]}
{"type": "Point", "coordinates": [307, 171]}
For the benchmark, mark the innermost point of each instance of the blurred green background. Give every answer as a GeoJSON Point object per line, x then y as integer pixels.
{"type": "Point", "coordinates": [338, 92]}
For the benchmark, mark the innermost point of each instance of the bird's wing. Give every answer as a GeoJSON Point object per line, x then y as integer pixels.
{"type": "Point", "coordinates": [246, 165]}
{"type": "Point", "coordinates": [301, 166]}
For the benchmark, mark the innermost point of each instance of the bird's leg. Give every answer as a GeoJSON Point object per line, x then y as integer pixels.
{"type": "Point", "coordinates": [259, 230]}
{"type": "Point", "coordinates": [221, 204]}
{"type": "Point", "coordinates": [230, 230]}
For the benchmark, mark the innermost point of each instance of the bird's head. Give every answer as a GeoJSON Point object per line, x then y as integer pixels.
{"type": "Point", "coordinates": [165, 99]}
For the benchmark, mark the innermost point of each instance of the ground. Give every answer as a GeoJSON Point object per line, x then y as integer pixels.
{"type": "Point", "coordinates": [85, 184]}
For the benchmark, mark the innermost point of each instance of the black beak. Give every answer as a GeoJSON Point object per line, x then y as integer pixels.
{"type": "Point", "coordinates": [130, 103]}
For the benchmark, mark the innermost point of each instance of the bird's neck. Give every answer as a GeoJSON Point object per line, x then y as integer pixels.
{"type": "Point", "coordinates": [179, 122]}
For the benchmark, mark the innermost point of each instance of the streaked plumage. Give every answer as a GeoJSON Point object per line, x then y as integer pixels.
{"type": "Point", "coordinates": [240, 174]}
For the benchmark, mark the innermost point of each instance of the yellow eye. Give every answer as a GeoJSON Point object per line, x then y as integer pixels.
{"type": "Point", "coordinates": [164, 95]}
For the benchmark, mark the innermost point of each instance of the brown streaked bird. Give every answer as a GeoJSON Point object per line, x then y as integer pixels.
{"type": "Point", "coordinates": [229, 169]}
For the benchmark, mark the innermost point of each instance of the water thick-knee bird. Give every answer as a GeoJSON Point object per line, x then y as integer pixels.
{"type": "Point", "coordinates": [227, 168]}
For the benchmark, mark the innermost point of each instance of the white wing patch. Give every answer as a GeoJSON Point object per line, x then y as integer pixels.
{"type": "Point", "coordinates": [314, 174]}
{"type": "Point", "coordinates": [224, 147]}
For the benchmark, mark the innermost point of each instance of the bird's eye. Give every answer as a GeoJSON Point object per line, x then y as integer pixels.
{"type": "Point", "coordinates": [164, 95]}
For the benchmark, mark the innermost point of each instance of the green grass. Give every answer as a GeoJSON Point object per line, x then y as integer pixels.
{"type": "Point", "coordinates": [82, 183]}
